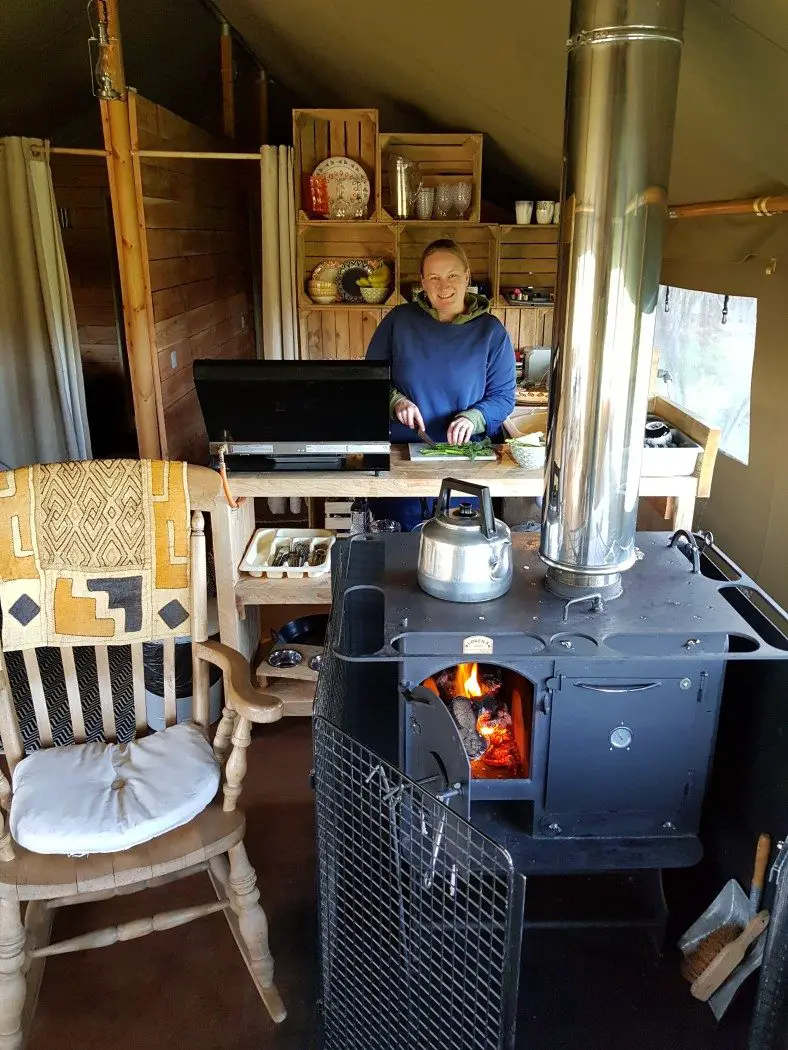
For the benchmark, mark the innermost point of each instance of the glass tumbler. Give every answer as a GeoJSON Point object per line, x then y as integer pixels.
{"type": "Point", "coordinates": [462, 193]}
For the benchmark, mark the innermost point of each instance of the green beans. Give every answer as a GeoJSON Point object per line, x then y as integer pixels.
{"type": "Point", "coordinates": [468, 451]}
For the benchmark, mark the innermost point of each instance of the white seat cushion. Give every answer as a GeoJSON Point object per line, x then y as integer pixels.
{"type": "Point", "coordinates": [101, 798]}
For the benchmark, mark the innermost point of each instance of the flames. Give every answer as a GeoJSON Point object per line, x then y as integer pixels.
{"type": "Point", "coordinates": [466, 681]}
{"type": "Point", "coordinates": [493, 724]}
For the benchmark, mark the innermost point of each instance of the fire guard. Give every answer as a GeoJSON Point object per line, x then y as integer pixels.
{"type": "Point", "coordinates": [420, 914]}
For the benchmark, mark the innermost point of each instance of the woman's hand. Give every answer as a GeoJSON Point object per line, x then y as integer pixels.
{"type": "Point", "coordinates": [408, 414]}
{"type": "Point", "coordinates": [460, 431]}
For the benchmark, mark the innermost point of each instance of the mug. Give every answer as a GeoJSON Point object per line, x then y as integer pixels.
{"type": "Point", "coordinates": [557, 213]}
{"type": "Point", "coordinates": [544, 212]}
{"type": "Point", "coordinates": [523, 211]}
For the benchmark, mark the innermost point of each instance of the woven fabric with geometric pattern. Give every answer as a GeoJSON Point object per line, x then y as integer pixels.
{"type": "Point", "coordinates": [94, 552]}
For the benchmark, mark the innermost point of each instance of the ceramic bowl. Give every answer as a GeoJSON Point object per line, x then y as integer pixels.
{"type": "Point", "coordinates": [374, 295]}
{"type": "Point", "coordinates": [322, 300]}
{"type": "Point", "coordinates": [529, 457]}
{"type": "Point", "coordinates": [322, 287]}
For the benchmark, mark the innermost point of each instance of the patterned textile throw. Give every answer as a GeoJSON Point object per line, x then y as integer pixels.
{"type": "Point", "coordinates": [94, 552]}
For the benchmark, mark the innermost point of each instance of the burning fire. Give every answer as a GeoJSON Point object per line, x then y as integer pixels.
{"type": "Point", "coordinates": [493, 724]}
{"type": "Point", "coordinates": [466, 681]}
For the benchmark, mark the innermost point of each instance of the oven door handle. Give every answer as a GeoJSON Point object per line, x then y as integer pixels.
{"type": "Point", "coordinates": [635, 687]}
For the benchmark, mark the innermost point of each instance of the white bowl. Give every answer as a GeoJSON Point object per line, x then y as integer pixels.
{"type": "Point", "coordinates": [529, 457]}
{"type": "Point", "coordinates": [323, 300]}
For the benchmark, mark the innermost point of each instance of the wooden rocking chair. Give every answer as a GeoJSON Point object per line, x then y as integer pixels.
{"type": "Point", "coordinates": [210, 840]}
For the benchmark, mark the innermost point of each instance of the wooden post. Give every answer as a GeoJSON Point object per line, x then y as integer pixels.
{"type": "Point", "coordinates": [262, 79]}
{"type": "Point", "coordinates": [128, 218]}
{"type": "Point", "coordinates": [228, 87]}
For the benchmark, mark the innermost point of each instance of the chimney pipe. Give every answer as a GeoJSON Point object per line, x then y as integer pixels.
{"type": "Point", "coordinates": [622, 82]}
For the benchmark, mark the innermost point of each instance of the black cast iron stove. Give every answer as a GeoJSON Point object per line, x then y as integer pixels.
{"type": "Point", "coordinates": [605, 712]}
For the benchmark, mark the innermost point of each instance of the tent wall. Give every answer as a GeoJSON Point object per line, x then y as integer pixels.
{"type": "Point", "coordinates": [748, 506]}
{"type": "Point", "coordinates": [197, 232]}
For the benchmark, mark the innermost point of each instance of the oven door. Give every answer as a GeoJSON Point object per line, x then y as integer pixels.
{"type": "Point", "coordinates": [621, 746]}
{"type": "Point", "coordinates": [420, 914]}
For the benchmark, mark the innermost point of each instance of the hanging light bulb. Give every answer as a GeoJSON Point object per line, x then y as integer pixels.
{"type": "Point", "coordinates": [100, 71]}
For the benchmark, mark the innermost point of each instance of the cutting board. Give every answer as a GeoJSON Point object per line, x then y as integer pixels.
{"type": "Point", "coordinates": [417, 446]}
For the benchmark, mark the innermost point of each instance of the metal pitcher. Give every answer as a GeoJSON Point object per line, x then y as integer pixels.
{"type": "Point", "coordinates": [404, 183]}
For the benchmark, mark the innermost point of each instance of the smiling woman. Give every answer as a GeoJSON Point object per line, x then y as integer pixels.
{"type": "Point", "coordinates": [452, 362]}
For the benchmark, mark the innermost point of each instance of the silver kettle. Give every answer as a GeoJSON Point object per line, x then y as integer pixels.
{"type": "Point", "coordinates": [465, 555]}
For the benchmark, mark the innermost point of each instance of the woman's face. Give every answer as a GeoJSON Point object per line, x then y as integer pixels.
{"type": "Point", "coordinates": [445, 282]}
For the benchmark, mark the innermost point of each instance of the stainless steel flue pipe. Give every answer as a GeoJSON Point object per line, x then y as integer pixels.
{"type": "Point", "coordinates": [622, 82]}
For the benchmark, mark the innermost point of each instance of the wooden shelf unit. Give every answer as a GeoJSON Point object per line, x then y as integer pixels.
{"type": "Point", "coordinates": [317, 241]}
{"type": "Point", "coordinates": [500, 256]}
{"type": "Point", "coordinates": [527, 256]}
{"type": "Point", "coordinates": [322, 133]}
{"type": "Point", "coordinates": [446, 158]}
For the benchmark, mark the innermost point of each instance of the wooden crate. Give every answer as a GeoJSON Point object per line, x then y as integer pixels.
{"type": "Point", "coordinates": [478, 240]}
{"type": "Point", "coordinates": [337, 333]}
{"type": "Point", "coordinates": [441, 158]}
{"type": "Point", "coordinates": [528, 255]}
{"type": "Point", "coordinates": [528, 326]}
{"type": "Point", "coordinates": [318, 241]}
{"type": "Point", "coordinates": [322, 133]}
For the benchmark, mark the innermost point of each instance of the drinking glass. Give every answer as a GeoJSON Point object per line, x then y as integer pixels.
{"type": "Point", "coordinates": [444, 198]}
{"type": "Point", "coordinates": [523, 210]}
{"type": "Point", "coordinates": [425, 198]}
{"type": "Point", "coordinates": [461, 197]}
{"type": "Point", "coordinates": [384, 525]}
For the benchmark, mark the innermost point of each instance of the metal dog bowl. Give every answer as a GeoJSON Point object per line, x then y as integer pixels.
{"type": "Point", "coordinates": [316, 662]}
{"type": "Point", "coordinates": [285, 658]}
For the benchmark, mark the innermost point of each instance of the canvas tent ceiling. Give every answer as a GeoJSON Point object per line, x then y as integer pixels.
{"type": "Point", "coordinates": [497, 68]}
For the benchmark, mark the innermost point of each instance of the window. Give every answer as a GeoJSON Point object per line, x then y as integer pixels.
{"type": "Point", "coordinates": [705, 363]}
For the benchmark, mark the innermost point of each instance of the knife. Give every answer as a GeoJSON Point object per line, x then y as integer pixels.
{"type": "Point", "coordinates": [425, 439]}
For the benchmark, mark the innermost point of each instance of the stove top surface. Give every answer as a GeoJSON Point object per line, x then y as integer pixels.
{"type": "Point", "coordinates": [665, 609]}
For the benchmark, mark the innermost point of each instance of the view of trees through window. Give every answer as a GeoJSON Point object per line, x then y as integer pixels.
{"type": "Point", "coordinates": [705, 364]}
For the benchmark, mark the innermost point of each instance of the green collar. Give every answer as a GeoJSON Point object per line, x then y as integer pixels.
{"type": "Point", "coordinates": [475, 306]}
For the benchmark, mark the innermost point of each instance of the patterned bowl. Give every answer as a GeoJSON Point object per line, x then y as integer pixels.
{"type": "Point", "coordinates": [529, 457]}
{"type": "Point", "coordinates": [374, 295]}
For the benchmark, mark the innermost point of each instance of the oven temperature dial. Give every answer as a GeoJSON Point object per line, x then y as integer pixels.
{"type": "Point", "coordinates": [621, 737]}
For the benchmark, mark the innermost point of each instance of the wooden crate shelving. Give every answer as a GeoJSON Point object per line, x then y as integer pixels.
{"type": "Point", "coordinates": [318, 241]}
{"type": "Point", "coordinates": [441, 158]}
{"type": "Point", "coordinates": [528, 326]}
{"type": "Point", "coordinates": [322, 133]}
{"type": "Point", "coordinates": [478, 240]}
{"type": "Point", "coordinates": [337, 333]}
{"type": "Point", "coordinates": [528, 255]}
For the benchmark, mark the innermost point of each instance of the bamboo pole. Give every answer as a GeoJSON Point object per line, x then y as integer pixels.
{"type": "Point", "coordinates": [763, 207]}
{"type": "Point", "coordinates": [127, 218]}
{"type": "Point", "coordinates": [195, 154]}
{"type": "Point", "coordinates": [228, 87]}
{"type": "Point", "coordinates": [66, 150]}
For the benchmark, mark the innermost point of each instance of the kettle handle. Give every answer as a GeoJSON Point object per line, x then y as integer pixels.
{"type": "Point", "coordinates": [449, 485]}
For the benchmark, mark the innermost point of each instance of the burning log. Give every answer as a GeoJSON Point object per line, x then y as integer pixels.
{"type": "Point", "coordinates": [465, 717]}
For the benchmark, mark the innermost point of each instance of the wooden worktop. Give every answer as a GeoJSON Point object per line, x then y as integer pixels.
{"type": "Point", "coordinates": [423, 478]}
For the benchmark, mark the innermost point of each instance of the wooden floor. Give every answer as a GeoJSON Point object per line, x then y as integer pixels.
{"type": "Point", "coordinates": [189, 987]}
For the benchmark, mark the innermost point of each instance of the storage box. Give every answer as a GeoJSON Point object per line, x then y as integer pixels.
{"type": "Point", "coordinates": [441, 159]}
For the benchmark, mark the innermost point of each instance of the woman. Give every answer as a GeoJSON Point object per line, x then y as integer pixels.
{"type": "Point", "coordinates": [452, 362]}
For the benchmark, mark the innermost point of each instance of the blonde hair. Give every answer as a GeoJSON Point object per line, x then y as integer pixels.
{"type": "Point", "coordinates": [444, 244]}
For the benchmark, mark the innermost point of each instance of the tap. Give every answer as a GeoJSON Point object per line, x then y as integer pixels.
{"type": "Point", "coordinates": [693, 545]}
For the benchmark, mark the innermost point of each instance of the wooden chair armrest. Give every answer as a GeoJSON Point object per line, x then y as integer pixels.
{"type": "Point", "coordinates": [258, 705]}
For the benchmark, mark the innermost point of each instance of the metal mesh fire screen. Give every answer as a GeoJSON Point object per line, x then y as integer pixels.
{"type": "Point", "coordinates": [420, 914]}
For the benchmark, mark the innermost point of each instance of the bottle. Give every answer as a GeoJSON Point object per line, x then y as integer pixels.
{"type": "Point", "coordinates": [360, 516]}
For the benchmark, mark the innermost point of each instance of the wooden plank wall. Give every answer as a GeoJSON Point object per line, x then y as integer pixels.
{"type": "Point", "coordinates": [82, 192]}
{"type": "Point", "coordinates": [197, 231]}
{"type": "Point", "coordinates": [337, 334]}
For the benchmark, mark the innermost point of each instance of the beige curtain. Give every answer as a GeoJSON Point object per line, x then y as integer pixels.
{"type": "Point", "coordinates": [42, 395]}
{"type": "Point", "coordinates": [280, 322]}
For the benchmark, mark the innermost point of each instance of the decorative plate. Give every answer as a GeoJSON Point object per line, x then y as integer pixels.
{"type": "Point", "coordinates": [326, 270]}
{"type": "Point", "coordinates": [347, 279]}
{"type": "Point", "coordinates": [347, 183]}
